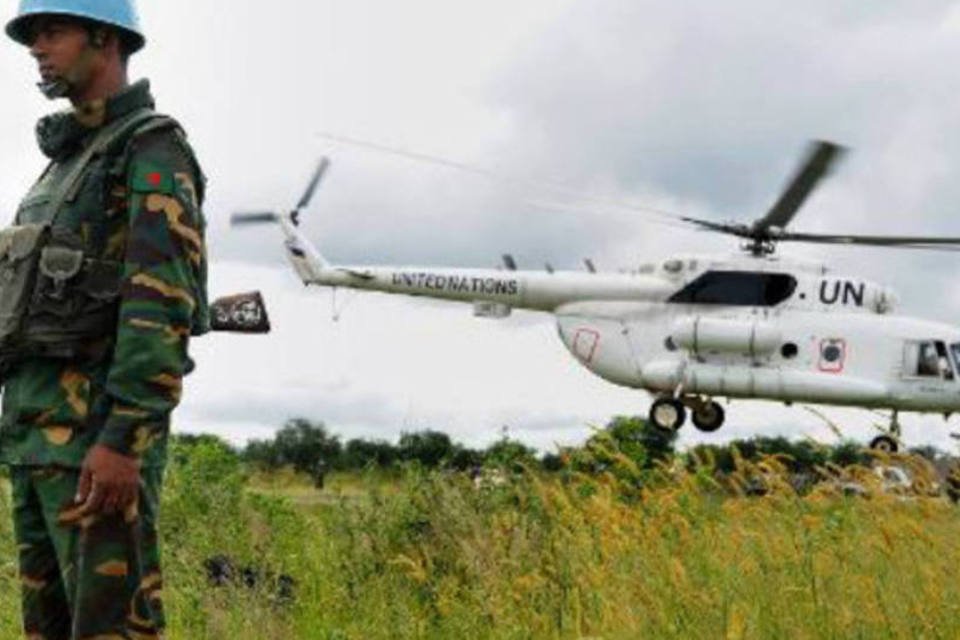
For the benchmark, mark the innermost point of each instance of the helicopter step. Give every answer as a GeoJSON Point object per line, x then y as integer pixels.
{"type": "Point", "coordinates": [669, 413]}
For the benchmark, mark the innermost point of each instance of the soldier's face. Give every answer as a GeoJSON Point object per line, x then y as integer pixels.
{"type": "Point", "coordinates": [62, 50]}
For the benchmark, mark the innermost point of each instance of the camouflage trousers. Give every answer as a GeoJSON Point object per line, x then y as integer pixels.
{"type": "Point", "coordinates": [86, 577]}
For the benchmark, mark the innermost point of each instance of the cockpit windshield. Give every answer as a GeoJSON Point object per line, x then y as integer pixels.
{"type": "Point", "coordinates": [741, 288]}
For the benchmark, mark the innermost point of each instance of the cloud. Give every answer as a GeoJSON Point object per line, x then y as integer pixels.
{"type": "Point", "coordinates": [700, 108]}
{"type": "Point", "coordinates": [713, 101]}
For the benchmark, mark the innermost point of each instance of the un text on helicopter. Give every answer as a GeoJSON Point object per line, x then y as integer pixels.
{"type": "Point", "coordinates": [693, 329]}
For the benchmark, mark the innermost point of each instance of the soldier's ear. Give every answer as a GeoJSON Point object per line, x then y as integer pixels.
{"type": "Point", "coordinates": [102, 37]}
{"type": "Point", "coordinates": [98, 38]}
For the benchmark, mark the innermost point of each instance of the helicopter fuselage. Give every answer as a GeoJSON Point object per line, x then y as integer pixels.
{"type": "Point", "coordinates": [735, 327]}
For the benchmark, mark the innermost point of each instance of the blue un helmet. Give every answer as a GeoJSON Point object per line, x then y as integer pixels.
{"type": "Point", "coordinates": [121, 14]}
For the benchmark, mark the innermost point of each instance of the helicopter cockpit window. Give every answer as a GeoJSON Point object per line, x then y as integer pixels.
{"type": "Point", "coordinates": [928, 359]}
{"type": "Point", "coordinates": [741, 288]}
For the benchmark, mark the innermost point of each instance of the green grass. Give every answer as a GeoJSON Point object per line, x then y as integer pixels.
{"type": "Point", "coordinates": [429, 555]}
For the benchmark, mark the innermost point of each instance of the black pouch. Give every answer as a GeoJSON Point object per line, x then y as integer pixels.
{"type": "Point", "coordinates": [20, 249]}
{"type": "Point", "coordinates": [74, 299]}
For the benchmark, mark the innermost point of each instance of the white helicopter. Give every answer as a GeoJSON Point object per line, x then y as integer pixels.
{"type": "Point", "coordinates": [692, 329]}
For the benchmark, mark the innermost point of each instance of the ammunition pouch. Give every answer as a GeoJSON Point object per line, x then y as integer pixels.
{"type": "Point", "coordinates": [20, 248]}
{"type": "Point", "coordinates": [53, 299]}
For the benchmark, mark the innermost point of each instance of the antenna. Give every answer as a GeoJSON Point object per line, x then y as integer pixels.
{"type": "Point", "coordinates": [588, 263]}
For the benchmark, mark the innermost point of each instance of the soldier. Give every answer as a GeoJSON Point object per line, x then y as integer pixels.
{"type": "Point", "coordinates": [102, 282]}
{"type": "Point", "coordinates": [319, 474]}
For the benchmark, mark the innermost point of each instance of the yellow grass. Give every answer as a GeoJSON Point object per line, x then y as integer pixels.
{"type": "Point", "coordinates": [564, 556]}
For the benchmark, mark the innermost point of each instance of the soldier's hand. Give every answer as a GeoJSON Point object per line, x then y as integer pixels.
{"type": "Point", "coordinates": [109, 481]}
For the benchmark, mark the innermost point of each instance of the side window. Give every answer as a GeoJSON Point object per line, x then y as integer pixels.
{"type": "Point", "coordinates": [943, 361]}
{"type": "Point", "coordinates": [955, 348]}
{"type": "Point", "coordinates": [927, 359]}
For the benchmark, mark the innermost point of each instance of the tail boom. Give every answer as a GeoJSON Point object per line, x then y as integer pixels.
{"type": "Point", "coordinates": [538, 291]}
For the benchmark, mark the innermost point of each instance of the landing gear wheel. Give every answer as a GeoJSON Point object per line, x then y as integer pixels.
{"type": "Point", "coordinates": [708, 417]}
{"type": "Point", "coordinates": [667, 414]}
{"type": "Point", "coordinates": [884, 444]}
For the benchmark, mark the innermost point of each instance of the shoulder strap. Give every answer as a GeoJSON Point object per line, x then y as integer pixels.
{"type": "Point", "coordinates": [104, 139]}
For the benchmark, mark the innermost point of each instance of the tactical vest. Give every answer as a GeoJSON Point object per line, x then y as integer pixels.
{"type": "Point", "coordinates": [56, 294]}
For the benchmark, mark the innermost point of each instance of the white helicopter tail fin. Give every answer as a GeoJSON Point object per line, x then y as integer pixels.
{"type": "Point", "coordinates": [306, 259]}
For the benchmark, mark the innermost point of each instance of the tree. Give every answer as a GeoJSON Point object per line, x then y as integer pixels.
{"type": "Point", "coordinates": [642, 442]}
{"type": "Point", "coordinates": [359, 454]}
{"type": "Point", "coordinates": [552, 462]}
{"type": "Point", "coordinates": [300, 444]}
{"type": "Point", "coordinates": [465, 458]}
{"type": "Point", "coordinates": [429, 448]}
{"type": "Point", "coordinates": [849, 453]}
{"type": "Point", "coordinates": [510, 454]}
{"type": "Point", "coordinates": [196, 439]}
{"type": "Point", "coordinates": [716, 457]}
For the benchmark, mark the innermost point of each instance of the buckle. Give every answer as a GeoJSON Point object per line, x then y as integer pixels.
{"type": "Point", "coordinates": [60, 264]}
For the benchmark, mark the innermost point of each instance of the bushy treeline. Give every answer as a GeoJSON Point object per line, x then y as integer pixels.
{"type": "Point", "coordinates": [309, 447]}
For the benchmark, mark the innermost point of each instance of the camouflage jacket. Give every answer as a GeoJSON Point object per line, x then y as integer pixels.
{"type": "Point", "coordinates": [139, 204]}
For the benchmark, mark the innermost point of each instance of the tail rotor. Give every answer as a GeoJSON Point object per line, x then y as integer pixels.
{"type": "Point", "coordinates": [261, 217]}
{"type": "Point", "coordinates": [304, 257]}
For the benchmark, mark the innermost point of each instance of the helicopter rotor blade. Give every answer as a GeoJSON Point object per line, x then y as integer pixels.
{"type": "Point", "coordinates": [258, 217]}
{"type": "Point", "coordinates": [318, 173]}
{"type": "Point", "coordinates": [722, 227]}
{"type": "Point", "coordinates": [820, 158]}
{"type": "Point", "coordinates": [904, 242]}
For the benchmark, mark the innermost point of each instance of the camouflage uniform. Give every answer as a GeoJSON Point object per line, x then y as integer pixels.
{"type": "Point", "coordinates": [137, 203]}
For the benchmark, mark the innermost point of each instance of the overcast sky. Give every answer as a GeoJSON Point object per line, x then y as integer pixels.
{"type": "Point", "coordinates": [696, 107]}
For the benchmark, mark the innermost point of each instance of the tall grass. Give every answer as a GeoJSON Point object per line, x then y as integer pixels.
{"type": "Point", "coordinates": [675, 553]}
{"type": "Point", "coordinates": [9, 581]}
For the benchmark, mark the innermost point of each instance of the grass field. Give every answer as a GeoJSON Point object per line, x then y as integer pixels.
{"type": "Point", "coordinates": [431, 555]}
